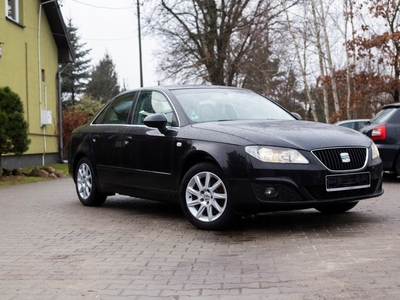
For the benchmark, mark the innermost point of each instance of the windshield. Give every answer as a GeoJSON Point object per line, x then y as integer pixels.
{"type": "Point", "coordinates": [384, 115]}
{"type": "Point", "coordinates": [207, 105]}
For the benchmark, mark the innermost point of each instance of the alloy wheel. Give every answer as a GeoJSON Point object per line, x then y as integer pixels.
{"type": "Point", "coordinates": [206, 196]}
{"type": "Point", "coordinates": [84, 181]}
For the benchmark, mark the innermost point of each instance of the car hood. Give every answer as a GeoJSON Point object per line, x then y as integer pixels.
{"type": "Point", "coordinates": [290, 134]}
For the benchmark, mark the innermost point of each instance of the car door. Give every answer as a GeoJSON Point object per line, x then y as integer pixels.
{"type": "Point", "coordinates": [107, 140]}
{"type": "Point", "coordinates": [147, 153]}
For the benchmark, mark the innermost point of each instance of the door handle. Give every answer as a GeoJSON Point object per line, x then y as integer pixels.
{"type": "Point", "coordinates": [128, 140]}
{"type": "Point", "coordinates": [95, 138]}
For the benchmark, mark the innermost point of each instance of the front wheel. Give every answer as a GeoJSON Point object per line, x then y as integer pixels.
{"type": "Point", "coordinates": [204, 197]}
{"type": "Point", "coordinates": [335, 208]}
{"type": "Point", "coordinates": [85, 185]}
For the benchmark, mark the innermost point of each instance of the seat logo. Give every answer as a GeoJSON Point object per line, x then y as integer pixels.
{"type": "Point", "coordinates": [345, 157]}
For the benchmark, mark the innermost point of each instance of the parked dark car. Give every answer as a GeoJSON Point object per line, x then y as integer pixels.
{"type": "Point", "coordinates": [384, 130]}
{"type": "Point", "coordinates": [220, 151]}
{"type": "Point", "coordinates": [355, 124]}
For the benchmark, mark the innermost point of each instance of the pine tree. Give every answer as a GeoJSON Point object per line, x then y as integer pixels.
{"type": "Point", "coordinates": [75, 76]}
{"type": "Point", "coordinates": [104, 81]}
{"type": "Point", "coordinates": [13, 127]}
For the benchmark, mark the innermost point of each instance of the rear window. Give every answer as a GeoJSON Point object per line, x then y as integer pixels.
{"type": "Point", "coordinates": [384, 115]}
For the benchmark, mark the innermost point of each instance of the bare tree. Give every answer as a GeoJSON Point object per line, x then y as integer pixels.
{"type": "Point", "coordinates": [302, 60]}
{"type": "Point", "coordinates": [329, 59]}
{"type": "Point", "coordinates": [315, 58]}
{"type": "Point", "coordinates": [321, 59]}
{"type": "Point", "coordinates": [213, 41]}
{"type": "Point", "coordinates": [348, 14]}
{"type": "Point", "coordinates": [379, 43]}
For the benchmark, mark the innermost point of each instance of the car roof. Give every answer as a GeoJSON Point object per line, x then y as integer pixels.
{"type": "Point", "coordinates": [183, 87]}
{"type": "Point", "coordinates": [189, 87]}
{"type": "Point", "coordinates": [350, 121]}
{"type": "Point", "coordinates": [174, 87]}
{"type": "Point", "coordinates": [392, 105]}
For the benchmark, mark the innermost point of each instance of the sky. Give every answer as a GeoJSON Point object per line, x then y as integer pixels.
{"type": "Point", "coordinates": [112, 27]}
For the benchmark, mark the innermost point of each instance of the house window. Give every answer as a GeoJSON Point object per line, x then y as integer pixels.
{"type": "Point", "coordinates": [12, 10]}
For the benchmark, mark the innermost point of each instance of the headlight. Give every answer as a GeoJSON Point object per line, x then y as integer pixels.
{"type": "Point", "coordinates": [375, 151]}
{"type": "Point", "coordinates": [276, 155]}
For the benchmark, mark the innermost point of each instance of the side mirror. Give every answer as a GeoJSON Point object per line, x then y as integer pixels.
{"type": "Point", "coordinates": [158, 121]}
{"type": "Point", "coordinates": [296, 115]}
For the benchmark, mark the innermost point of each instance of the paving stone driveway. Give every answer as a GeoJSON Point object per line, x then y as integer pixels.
{"type": "Point", "coordinates": [52, 247]}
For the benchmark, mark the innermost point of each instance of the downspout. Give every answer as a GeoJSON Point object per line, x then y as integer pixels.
{"type": "Point", "coordinates": [44, 128]}
{"type": "Point", "coordinates": [40, 80]}
{"type": "Point", "coordinates": [61, 142]}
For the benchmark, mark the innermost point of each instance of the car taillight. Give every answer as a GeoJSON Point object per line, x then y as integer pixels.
{"type": "Point", "coordinates": [379, 133]}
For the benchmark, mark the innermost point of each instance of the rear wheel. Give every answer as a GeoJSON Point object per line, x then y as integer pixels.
{"type": "Point", "coordinates": [85, 185]}
{"type": "Point", "coordinates": [204, 198]}
{"type": "Point", "coordinates": [397, 165]}
{"type": "Point", "coordinates": [335, 208]}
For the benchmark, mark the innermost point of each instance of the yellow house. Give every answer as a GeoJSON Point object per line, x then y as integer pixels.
{"type": "Point", "coordinates": [33, 41]}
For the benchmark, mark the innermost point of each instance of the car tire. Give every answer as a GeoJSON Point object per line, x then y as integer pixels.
{"type": "Point", "coordinates": [397, 165]}
{"type": "Point", "coordinates": [204, 197]}
{"type": "Point", "coordinates": [335, 208]}
{"type": "Point", "coordinates": [85, 184]}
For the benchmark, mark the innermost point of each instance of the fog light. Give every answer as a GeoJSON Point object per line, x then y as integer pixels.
{"type": "Point", "coordinates": [271, 192]}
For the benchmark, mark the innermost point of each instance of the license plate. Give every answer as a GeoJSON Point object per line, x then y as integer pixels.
{"type": "Point", "coordinates": [347, 182]}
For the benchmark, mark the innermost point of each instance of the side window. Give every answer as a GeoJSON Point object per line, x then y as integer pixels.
{"type": "Point", "coordinates": [151, 102]}
{"type": "Point", "coordinates": [99, 119]}
{"type": "Point", "coordinates": [117, 111]}
{"type": "Point", "coordinates": [348, 125]}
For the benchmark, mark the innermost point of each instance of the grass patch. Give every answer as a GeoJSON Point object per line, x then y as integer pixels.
{"type": "Point", "coordinates": [14, 180]}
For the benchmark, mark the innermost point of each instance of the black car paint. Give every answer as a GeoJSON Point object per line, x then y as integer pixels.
{"type": "Point", "coordinates": [389, 148]}
{"type": "Point", "coordinates": [155, 172]}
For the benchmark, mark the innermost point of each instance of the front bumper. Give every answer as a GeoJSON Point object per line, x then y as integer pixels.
{"type": "Point", "coordinates": [272, 187]}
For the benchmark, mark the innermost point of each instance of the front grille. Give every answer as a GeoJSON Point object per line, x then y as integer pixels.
{"type": "Point", "coordinates": [342, 159]}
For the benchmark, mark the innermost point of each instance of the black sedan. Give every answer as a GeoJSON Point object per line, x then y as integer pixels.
{"type": "Point", "coordinates": [220, 152]}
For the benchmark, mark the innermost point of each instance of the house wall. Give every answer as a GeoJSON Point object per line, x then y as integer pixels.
{"type": "Point", "coordinates": [20, 70]}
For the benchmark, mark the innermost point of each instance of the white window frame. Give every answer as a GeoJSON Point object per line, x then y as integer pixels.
{"type": "Point", "coordinates": [14, 5]}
